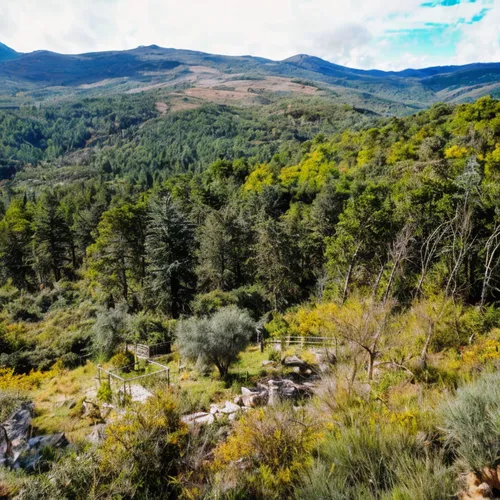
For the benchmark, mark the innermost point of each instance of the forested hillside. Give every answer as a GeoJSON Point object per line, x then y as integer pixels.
{"type": "Point", "coordinates": [120, 224]}
{"type": "Point", "coordinates": [43, 76]}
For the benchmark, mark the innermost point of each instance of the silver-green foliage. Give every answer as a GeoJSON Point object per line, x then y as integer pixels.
{"type": "Point", "coordinates": [109, 330]}
{"type": "Point", "coordinates": [217, 340]}
{"type": "Point", "coordinates": [472, 423]}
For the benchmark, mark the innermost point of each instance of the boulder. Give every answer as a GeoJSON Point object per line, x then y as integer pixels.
{"type": "Point", "coordinates": [17, 449]}
{"type": "Point", "coordinates": [98, 434]}
{"type": "Point", "coordinates": [190, 418]}
{"type": "Point", "coordinates": [247, 392]}
{"type": "Point", "coordinates": [32, 458]}
{"type": "Point", "coordinates": [206, 420]}
{"type": "Point", "coordinates": [294, 361]}
{"type": "Point", "coordinates": [230, 408]}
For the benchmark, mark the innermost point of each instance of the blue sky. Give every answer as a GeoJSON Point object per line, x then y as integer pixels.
{"type": "Point", "coordinates": [384, 34]}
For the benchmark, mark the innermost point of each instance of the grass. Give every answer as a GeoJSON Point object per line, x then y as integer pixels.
{"type": "Point", "coordinates": [55, 398]}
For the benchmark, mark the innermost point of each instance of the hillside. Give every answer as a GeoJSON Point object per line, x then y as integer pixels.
{"type": "Point", "coordinates": [318, 285]}
{"type": "Point", "coordinates": [42, 75]}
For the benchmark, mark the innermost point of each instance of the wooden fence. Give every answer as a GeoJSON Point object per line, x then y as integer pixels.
{"type": "Point", "coordinates": [152, 351]}
{"type": "Point", "coordinates": [126, 383]}
{"type": "Point", "coordinates": [288, 341]}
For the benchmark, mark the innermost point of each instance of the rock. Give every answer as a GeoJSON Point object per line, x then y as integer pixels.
{"type": "Point", "coordinates": [214, 409]}
{"type": "Point", "coordinates": [273, 395]}
{"type": "Point", "coordinates": [206, 420]}
{"type": "Point", "coordinates": [267, 363]}
{"type": "Point", "coordinates": [18, 425]}
{"type": "Point", "coordinates": [98, 434]}
{"type": "Point", "coordinates": [247, 392]}
{"type": "Point", "coordinates": [294, 361]}
{"type": "Point", "coordinates": [232, 417]}
{"type": "Point", "coordinates": [230, 408]}
{"type": "Point", "coordinates": [17, 450]}
{"type": "Point", "coordinates": [32, 458]}
{"type": "Point", "coordinates": [138, 393]}
{"type": "Point", "coordinates": [308, 372]}
{"type": "Point", "coordinates": [189, 418]}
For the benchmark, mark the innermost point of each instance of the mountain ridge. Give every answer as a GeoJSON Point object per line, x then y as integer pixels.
{"type": "Point", "coordinates": [45, 74]}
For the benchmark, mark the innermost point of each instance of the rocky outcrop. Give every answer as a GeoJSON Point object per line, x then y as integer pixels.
{"type": "Point", "coordinates": [17, 449]}
{"type": "Point", "coordinates": [268, 394]}
{"type": "Point", "coordinates": [217, 412]}
{"type": "Point", "coordinates": [479, 488]}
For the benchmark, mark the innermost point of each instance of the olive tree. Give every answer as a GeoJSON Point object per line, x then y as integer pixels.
{"type": "Point", "coordinates": [217, 339]}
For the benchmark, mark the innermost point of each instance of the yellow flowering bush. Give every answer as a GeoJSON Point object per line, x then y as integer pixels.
{"type": "Point", "coordinates": [267, 451]}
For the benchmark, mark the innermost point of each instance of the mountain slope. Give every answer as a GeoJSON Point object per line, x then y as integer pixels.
{"type": "Point", "coordinates": [230, 79]}
{"type": "Point", "coordinates": [7, 53]}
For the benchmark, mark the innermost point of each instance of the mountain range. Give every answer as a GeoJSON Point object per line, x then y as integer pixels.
{"type": "Point", "coordinates": [187, 78]}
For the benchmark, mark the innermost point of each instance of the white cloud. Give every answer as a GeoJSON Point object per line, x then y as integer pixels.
{"type": "Point", "coordinates": [350, 32]}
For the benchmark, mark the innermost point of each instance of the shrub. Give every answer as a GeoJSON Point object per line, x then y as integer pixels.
{"type": "Point", "coordinates": [142, 452]}
{"type": "Point", "coordinates": [105, 394]}
{"type": "Point", "coordinates": [472, 423]}
{"type": "Point", "coordinates": [267, 451]}
{"type": "Point", "coordinates": [375, 462]}
{"type": "Point", "coordinates": [208, 303]}
{"type": "Point", "coordinates": [10, 401]}
{"type": "Point", "coordinates": [109, 330]}
{"type": "Point", "coordinates": [123, 360]}
{"type": "Point", "coordinates": [217, 340]}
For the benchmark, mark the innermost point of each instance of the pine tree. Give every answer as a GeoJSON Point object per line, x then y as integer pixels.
{"type": "Point", "coordinates": [51, 240]}
{"type": "Point", "coordinates": [223, 251]}
{"type": "Point", "coordinates": [169, 250]}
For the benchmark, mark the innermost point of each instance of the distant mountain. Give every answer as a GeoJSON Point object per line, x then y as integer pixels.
{"type": "Point", "coordinates": [229, 80]}
{"type": "Point", "coordinates": [7, 53]}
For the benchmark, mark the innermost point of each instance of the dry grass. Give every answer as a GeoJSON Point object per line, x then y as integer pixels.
{"type": "Point", "coordinates": [55, 398]}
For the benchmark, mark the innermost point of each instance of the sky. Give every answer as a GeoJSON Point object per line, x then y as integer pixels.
{"type": "Point", "coordinates": [382, 34]}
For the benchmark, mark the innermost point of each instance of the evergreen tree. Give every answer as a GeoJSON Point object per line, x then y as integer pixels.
{"type": "Point", "coordinates": [51, 240]}
{"type": "Point", "coordinates": [15, 240]}
{"type": "Point", "coordinates": [223, 250]}
{"type": "Point", "coordinates": [169, 255]}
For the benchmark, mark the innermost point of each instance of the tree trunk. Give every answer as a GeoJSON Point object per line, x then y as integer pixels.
{"type": "Point", "coordinates": [349, 273]}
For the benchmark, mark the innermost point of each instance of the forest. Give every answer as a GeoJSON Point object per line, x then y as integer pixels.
{"type": "Point", "coordinates": [120, 225]}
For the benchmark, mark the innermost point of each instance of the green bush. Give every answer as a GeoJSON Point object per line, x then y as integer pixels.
{"type": "Point", "coordinates": [217, 340]}
{"type": "Point", "coordinates": [376, 462]}
{"type": "Point", "coordinates": [10, 401]}
{"type": "Point", "coordinates": [105, 394]}
{"type": "Point", "coordinates": [472, 423]}
{"type": "Point", "coordinates": [109, 330]}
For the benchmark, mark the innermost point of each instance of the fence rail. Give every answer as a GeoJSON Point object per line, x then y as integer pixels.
{"type": "Point", "coordinates": [152, 351]}
{"type": "Point", "coordinates": [284, 342]}
{"type": "Point", "coordinates": [126, 383]}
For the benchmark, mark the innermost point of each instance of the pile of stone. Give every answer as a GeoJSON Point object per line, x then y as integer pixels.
{"type": "Point", "coordinates": [273, 392]}
{"type": "Point", "coordinates": [268, 394]}
{"type": "Point", "coordinates": [217, 412]}
{"type": "Point", "coordinates": [20, 451]}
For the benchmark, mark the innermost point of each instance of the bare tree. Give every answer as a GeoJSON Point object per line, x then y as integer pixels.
{"type": "Point", "coordinates": [490, 261]}
{"type": "Point", "coordinates": [399, 252]}
{"type": "Point", "coordinates": [365, 329]}
{"type": "Point", "coordinates": [429, 314]}
{"type": "Point", "coordinates": [430, 248]}
{"type": "Point", "coordinates": [462, 225]}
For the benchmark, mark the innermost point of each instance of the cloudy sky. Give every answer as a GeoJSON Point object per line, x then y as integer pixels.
{"type": "Point", "coordinates": [384, 34]}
